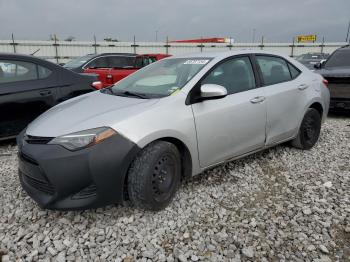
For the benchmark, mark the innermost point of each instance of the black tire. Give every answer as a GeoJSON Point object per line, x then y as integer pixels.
{"type": "Point", "coordinates": [154, 176]}
{"type": "Point", "coordinates": [309, 130]}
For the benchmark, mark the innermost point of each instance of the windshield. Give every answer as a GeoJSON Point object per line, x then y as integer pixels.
{"type": "Point", "coordinates": [77, 62]}
{"type": "Point", "coordinates": [310, 56]}
{"type": "Point", "coordinates": [340, 58]}
{"type": "Point", "coordinates": [161, 78]}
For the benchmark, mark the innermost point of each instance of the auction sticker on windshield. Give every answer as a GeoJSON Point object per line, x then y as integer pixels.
{"type": "Point", "coordinates": [196, 62]}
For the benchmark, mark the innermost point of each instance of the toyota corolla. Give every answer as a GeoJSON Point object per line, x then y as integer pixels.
{"type": "Point", "coordinates": [137, 140]}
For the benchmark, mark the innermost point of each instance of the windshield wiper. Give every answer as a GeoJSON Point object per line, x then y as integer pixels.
{"type": "Point", "coordinates": [130, 93]}
{"type": "Point", "coordinates": [139, 95]}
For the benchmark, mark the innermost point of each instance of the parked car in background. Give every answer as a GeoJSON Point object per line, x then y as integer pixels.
{"type": "Point", "coordinates": [105, 60]}
{"type": "Point", "coordinates": [111, 68]}
{"type": "Point", "coordinates": [174, 119]}
{"type": "Point", "coordinates": [29, 86]}
{"type": "Point", "coordinates": [310, 59]}
{"type": "Point", "coordinates": [336, 69]}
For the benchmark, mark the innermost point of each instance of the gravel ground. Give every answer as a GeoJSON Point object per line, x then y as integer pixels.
{"type": "Point", "coordinates": [279, 205]}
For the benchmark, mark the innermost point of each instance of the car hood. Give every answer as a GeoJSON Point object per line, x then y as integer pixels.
{"type": "Point", "coordinates": [334, 72]}
{"type": "Point", "coordinates": [85, 112]}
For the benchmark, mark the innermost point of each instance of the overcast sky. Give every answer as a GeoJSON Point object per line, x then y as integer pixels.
{"type": "Point", "coordinates": [277, 20]}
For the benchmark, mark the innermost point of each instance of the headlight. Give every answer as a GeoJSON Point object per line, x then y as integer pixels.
{"type": "Point", "coordinates": [84, 138]}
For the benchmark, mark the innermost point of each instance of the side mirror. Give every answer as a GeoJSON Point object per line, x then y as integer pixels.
{"type": "Point", "coordinates": [320, 64]}
{"type": "Point", "coordinates": [212, 91]}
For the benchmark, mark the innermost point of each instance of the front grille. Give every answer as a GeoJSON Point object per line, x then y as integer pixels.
{"type": "Point", "coordinates": [43, 186]}
{"type": "Point", "coordinates": [24, 157]}
{"type": "Point", "coordinates": [86, 192]}
{"type": "Point", "coordinates": [37, 139]}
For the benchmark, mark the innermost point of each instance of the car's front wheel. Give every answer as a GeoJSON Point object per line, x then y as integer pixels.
{"type": "Point", "coordinates": [154, 176]}
{"type": "Point", "coordinates": [309, 130]}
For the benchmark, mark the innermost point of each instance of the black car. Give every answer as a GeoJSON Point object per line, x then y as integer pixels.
{"type": "Point", "coordinates": [107, 60]}
{"type": "Point", "coordinates": [310, 59]}
{"type": "Point", "coordinates": [29, 86]}
{"type": "Point", "coordinates": [336, 70]}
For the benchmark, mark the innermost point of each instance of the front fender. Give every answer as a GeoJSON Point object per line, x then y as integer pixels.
{"type": "Point", "coordinates": [163, 134]}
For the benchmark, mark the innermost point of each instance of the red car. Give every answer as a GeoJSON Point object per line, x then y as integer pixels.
{"type": "Point", "coordinates": [109, 76]}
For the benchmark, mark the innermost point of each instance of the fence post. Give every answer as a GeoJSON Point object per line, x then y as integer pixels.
{"type": "Point", "coordinates": [13, 43]}
{"type": "Point", "coordinates": [201, 45]}
{"type": "Point", "coordinates": [95, 44]}
{"type": "Point", "coordinates": [230, 44]}
{"type": "Point", "coordinates": [322, 45]}
{"type": "Point", "coordinates": [292, 51]}
{"type": "Point", "coordinates": [134, 45]}
{"type": "Point", "coordinates": [56, 48]}
{"type": "Point", "coordinates": [167, 45]}
{"type": "Point", "coordinates": [262, 43]}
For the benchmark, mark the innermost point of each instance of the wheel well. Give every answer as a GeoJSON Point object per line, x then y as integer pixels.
{"type": "Point", "coordinates": [186, 159]}
{"type": "Point", "coordinates": [318, 107]}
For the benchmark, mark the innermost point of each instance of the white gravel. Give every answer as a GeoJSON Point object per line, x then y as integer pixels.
{"type": "Point", "coordinates": [279, 205]}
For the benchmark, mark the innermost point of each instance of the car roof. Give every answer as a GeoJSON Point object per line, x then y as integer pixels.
{"type": "Point", "coordinates": [345, 47]}
{"type": "Point", "coordinates": [224, 54]}
{"type": "Point", "coordinates": [112, 54]}
{"type": "Point", "coordinates": [28, 58]}
{"type": "Point", "coordinates": [12, 55]}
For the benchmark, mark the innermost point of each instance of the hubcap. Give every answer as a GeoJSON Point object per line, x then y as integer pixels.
{"type": "Point", "coordinates": [163, 177]}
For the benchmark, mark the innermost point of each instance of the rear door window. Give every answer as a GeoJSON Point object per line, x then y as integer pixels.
{"type": "Point", "coordinates": [15, 71]}
{"type": "Point", "coordinates": [120, 61]}
{"type": "Point", "coordinates": [295, 72]}
{"type": "Point", "coordinates": [99, 62]}
{"type": "Point", "coordinates": [43, 72]}
{"type": "Point", "coordinates": [274, 69]}
{"type": "Point", "coordinates": [152, 59]}
{"type": "Point", "coordinates": [142, 61]}
{"type": "Point", "coordinates": [139, 62]}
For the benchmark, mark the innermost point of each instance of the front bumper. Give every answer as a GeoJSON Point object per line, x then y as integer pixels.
{"type": "Point", "coordinates": [57, 178]}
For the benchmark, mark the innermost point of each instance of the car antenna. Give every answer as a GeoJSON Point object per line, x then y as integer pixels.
{"type": "Point", "coordinates": [35, 52]}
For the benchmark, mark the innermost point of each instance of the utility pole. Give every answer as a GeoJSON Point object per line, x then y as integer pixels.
{"type": "Point", "coordinates": [156, 35]}
{"type": "Point", "coordinates": [347, 34]}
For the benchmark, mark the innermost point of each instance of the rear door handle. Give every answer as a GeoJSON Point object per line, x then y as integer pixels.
{"type": "Point", "coordinates": [303, 86]}
{"type": "Point", "coordinates": [257, 99]}
{"type": "Point", "coordinates": [45, 92]}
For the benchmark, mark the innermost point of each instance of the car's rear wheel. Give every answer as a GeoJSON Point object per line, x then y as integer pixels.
{"type": "Point", "coordinates": [154, 176]}
{"type": "Point", "coordinates": [309, 130]}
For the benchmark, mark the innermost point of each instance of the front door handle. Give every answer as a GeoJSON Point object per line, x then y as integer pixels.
{"type": "Point", "coordinates": [303, 86]}
{"type": "Point", "coordinates": [45, 92]}
{"type": "Point", "coordinates": [257, 99]}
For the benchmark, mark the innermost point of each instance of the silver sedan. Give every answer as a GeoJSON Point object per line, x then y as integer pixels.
{"type": "Point", "coordinates": [136, 140]}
